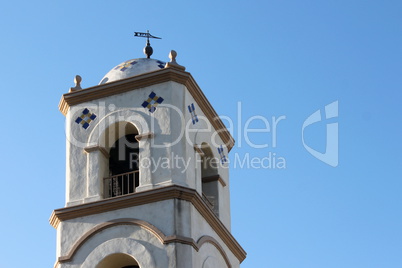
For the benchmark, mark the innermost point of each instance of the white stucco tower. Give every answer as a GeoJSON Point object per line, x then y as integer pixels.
{"type": "Point", "coordinates": [147, 182]}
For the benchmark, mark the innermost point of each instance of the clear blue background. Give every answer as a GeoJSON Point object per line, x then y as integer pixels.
{"type": "Point", "coordinates": [278, 58]}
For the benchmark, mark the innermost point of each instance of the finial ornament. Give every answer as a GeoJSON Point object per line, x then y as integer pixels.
{"type": "Point", "coordinates": [172, 56]}
{"type": "Point", "coordinates": [173, 63]}
{"type": "Point", "coordinates": [147, 49]}
{"type": "Point", "coordinates": [77, 81]}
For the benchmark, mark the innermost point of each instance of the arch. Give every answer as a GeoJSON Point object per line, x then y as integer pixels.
{"type": "Point", "coordinates": [128, 116]}
{"type": "Point", "coordinates": [123, 166]}
{"type": "Point", "coordinates": [116, 131]}
{"type": "Point", "coordinates": [210, 177]}
{"type": "Point", "coordinates": [100, 227]}
{"type": "Point", "coordinates": [211, 262]}
{"type": "Point", "coordinates": [116, 125]}
{"type": "Point", "coordinates": [127, 246]}
{"type": "Point", "coordinates": [208, 239]}
{"type": "Point", "coordinates": [150, 228]}
{"type": "Point", "coordinates": [120, 172]}
{"type": "Point", "coordinates": [118, 260]}
{"type": "Point", "coordinates": [209, 162]}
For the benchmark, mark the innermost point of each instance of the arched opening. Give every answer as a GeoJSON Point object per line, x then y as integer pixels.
{"type": "Point", "coordinates": [123, 166]}
{"type": "Point", "coordinates": [118, 260]}
{"type": "Point", "coordinates": [123, 160]}
{"type": "Point", "coordinates": [210, 178]}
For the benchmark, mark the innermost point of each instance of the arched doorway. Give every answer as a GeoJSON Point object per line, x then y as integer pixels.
{"type": "Point", "coordinates": [121, 174]}
{"type": "Point", "coordinates": [123, 166]}
{"type": "Point", "coordinates": [209, 177]}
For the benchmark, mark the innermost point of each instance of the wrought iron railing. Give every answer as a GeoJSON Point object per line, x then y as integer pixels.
{"type": "Point", "coordinates": [120, 184]}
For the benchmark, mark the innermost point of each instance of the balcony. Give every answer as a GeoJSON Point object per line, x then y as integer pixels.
{"type": "Point", "coordinates": [121, 184]}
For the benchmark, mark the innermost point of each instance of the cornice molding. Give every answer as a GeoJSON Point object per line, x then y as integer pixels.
{"type": "Point", "coordinates": [151, 196]}
{"type": "Point", "coordinates": [145, 80]}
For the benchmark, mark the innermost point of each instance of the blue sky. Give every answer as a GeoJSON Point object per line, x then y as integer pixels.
{"type": "Point", "coordinates": [272, 58]}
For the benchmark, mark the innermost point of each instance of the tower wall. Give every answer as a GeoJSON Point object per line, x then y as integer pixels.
{"type": "Point", "coordinates": [174, 138]}
{"type": "Point", "coordinates": [179, 214]}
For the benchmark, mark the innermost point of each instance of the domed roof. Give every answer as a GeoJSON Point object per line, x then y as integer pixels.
{"type": "Point", "coordinates": [132, 68]}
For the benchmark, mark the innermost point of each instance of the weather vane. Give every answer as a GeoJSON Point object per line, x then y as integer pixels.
{"type": "Point", "coordinates": [148, 49]}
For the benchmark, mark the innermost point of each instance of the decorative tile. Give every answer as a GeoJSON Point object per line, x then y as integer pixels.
{"type": "Point", "coordinates": [85, 118]}
{"type": "Point", "coordinates": [222, 154]}
{"type": "Point", "coordinates": [194, 117]}
{"type": "Point", "coordinates": [152, 102]}
{"type": "Point", "coordinates": [122, 67]}
{"type": "Point", "coordinates": [161, 64]}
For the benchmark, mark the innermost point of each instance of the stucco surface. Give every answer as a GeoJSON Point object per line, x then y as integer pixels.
{"type": "Point", "coordinates": [174, 134]}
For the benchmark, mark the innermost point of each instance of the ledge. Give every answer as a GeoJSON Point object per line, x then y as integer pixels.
{"type": "Point", "coordinates": [144, 136]}
{"type": "Point", "coordinates": [145, 80]}
{"type": "Point", "coordinates": [151, 196]}
{"type": "Point", "coordinates": [96, 148]}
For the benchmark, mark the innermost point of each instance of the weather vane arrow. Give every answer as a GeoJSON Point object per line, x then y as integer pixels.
{"type": "Point", "coordinates": [148, 49]}
{"type": "Point", "coordinates": [147, 35]}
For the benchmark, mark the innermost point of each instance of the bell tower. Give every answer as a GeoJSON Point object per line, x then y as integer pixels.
{"type": "Point", "coordinates": [147, 181]}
